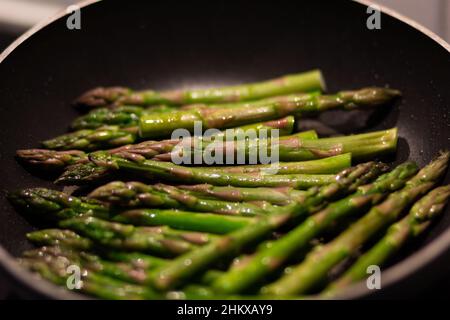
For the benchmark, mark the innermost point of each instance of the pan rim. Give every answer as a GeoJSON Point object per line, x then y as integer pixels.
{"type": "Point", "coordinates": [8, 264]}
{"type": "Point", "coordinates": [419, 259]}
{"type": "Point", "coordinates": [40, 25]}
{"type": "Point", "coordinates": [398, 272]}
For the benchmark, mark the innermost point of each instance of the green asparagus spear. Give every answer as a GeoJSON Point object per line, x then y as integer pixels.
{"type": "Point", "coordinates": [173, 172]}
{"type": "Point", "coordinates": [292, 98]}
{"type": "Point", "coordinates": [197, 238]}
{"type": "Point", "coordinates": [136, 259]}
{"type": "Point", "coordinates": [277, 196]}
{"type": "Point", "coordinates": [305, 135]}
{"type": "Point", "coordinates": [155, 125]}
{"type": "Point", "coordinates": [50, 159]}
{"type": "Point", "coordinates": [290, 148]}
{"type": "Point", "coordinates": [93, 263]}
{"type": "Point", "coordinates": [183, 220]}
{"type": "Point", "coordinates": [283, 127]}
{"type": "Point", "coordinates": [109, 199]}
{"type": "Point", "coordinates": [65, 241]}
{"type": "Point", "coordinates": [317, 264]}
{"type": "Point", "coordinates": [120, 116]}
{"type": "Point", "coordinates": [101, 138]}
{"type": "Point", "coordinates": [58, 160]}
{"type": "Point", "coordinates": [55, 269]}
{"type": "Point", "coordinates": [68, 239]}
{"type": "Point", "coordinates": [56, 237]}
{"type": "Point", "coordinates": [55, 205]}
{"type": "Point", "coordinates": [131, 270]}
{"type": "Point", "coordinates": [274, 256]}
{"type": "Point", "coordinates": [371, 96]}
{"type": "Point", "coordinates": [364, 145]}
{"type": "Point", "coordinates": [186, 266]}
{"type": "Point", "coordinates": [126, 116]}
{"type": "Point", "coordinates": [328, 165]}
{"type": "Point", "coordinates": [116, 96]}
{"type": "Point", "coordinates": [114, 136]}
{"type": "Point", "coordinates": [83, 167]}
{"type": "Point", "coordinates": [127, 237]}
{"type": "Point", "coordinates": [162, 124]}
{"type": "Point", "coordinates": [411, 226]}
{"type": "Point", "coordinates": [140, 195]}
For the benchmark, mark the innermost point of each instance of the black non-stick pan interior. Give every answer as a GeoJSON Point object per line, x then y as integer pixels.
{"type": "Point", "coordinates": [172, 44]}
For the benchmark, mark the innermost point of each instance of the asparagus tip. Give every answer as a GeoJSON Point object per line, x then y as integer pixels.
{"type": "Point", "coordinates": [371, 96]}
{"type": "Point", "coordinates": [100, 97]}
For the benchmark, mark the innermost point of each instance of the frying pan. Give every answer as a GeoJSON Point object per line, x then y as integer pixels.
{"type": "Point", "coordinates": [171, 44]}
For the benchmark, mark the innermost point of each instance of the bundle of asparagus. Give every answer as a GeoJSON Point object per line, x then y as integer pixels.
{"type": "Point", "coordinates": [162, 124]}
{"type": "Point", "coordinates": [246, 231]}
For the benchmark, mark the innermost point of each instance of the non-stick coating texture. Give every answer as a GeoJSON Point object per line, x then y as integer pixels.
{"type": "Point", "coordinates": [172, 44]}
